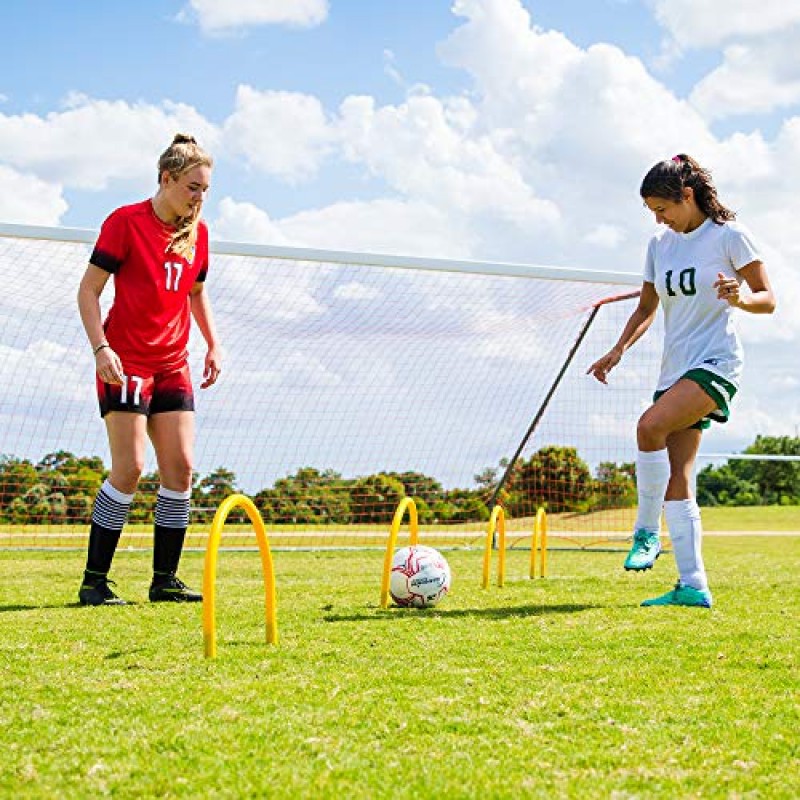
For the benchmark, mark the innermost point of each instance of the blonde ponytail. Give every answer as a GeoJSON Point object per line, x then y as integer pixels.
{"type": "Point", "coordinates": [182, 155]}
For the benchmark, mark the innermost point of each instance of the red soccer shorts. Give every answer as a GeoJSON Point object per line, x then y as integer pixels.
{"type": "Point", "coordinates": [148, 392]}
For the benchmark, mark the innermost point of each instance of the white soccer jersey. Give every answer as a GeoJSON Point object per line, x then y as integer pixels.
{"type": "Point", "coordinates": [699, 331]}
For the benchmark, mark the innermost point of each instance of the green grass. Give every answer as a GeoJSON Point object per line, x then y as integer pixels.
{"type": "Point", "coordinates": [752, 518]}
{"type": "Point", "coordinates": [715, 518]}
{"type": "Point", "coordinates": [560, 687]}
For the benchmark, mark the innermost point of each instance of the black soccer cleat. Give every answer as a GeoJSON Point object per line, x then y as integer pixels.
{"type": "Point", "coordinates": [97, 592]}
{"type": "Point", "coordinates": [171, 589]}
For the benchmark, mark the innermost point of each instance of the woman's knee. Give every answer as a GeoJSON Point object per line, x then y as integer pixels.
{"type": "Point", "coordinates": [177, 475]}
{"type": "Point", "coordinates": [649, 433]}
{"type": "Point", "coordinates": [125, 477]}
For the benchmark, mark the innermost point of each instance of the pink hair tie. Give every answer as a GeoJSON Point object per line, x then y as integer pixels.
{"type": "Point", "coordinates": [676, 159]}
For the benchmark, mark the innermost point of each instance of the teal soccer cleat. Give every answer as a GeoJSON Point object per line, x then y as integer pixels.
{"type": "Point", "coordinates": [646, 549]}
{"type": "Point", "coordinates": [682, 595]}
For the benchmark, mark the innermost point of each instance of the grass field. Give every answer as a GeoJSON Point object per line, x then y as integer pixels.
{"type": "Point", "coordinates": [566, 530]}
{"type": "Point", "coordinates": [561, 687]}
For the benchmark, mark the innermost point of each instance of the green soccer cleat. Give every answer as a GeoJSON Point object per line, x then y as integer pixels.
{"type": "Point", "coordinates": [644, 552]}
{"type": "Point", "coordinates": [682, 595]}
{"type": "Point", "coordinates": [171, 589]}
{"type": "Point", "coordinates": [97, 592]}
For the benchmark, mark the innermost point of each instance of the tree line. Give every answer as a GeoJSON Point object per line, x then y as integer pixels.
{"type": "Point", "coordinates": [60, 489]}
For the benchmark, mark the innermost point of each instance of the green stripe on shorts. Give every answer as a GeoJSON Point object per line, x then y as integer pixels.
{"type": "Point", "coordinates": [718, 389]}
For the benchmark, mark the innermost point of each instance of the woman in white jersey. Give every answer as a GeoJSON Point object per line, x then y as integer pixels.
{"type": "Point", "coordinates": [700, 267]}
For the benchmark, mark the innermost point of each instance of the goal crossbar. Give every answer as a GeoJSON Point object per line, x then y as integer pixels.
{"type": "Point", "coordinates": [86, 236]}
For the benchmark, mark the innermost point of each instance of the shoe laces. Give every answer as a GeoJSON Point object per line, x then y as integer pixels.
{"type": "Point", "coordinates": [171, 582]}
{"type": "Point", "coordinates": [642, 537]}
{"type": "Point", "coordinates": [104, 586]}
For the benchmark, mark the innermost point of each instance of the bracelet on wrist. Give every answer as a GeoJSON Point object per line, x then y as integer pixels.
{"type": "Point", "coordinates": [100, 347]}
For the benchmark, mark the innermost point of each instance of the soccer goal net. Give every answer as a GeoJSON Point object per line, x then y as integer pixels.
{"type": "Point", "coordinates": [350, 381]}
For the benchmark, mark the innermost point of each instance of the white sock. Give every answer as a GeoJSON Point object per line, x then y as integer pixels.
{"type": "Point", "coordinates": [652, 477]}
{"type": "Point", "coordinates": [686, 533]}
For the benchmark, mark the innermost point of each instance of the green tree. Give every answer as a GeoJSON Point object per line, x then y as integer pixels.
{"type": "Point", "coordinates": [71, 484]}
{"type": "Point", "coordinates": [722, 486]}
{"type": "Point", "coordinates": [554, 477]}
{"type": "Point", "coordinates": [307, 497]}
{"type": "Point", "coordinates": [209, 492]}
{"type": "Point", "coordinates": [754, 482]}
{"type": "Point", "coordinates": [778, 481]}
{"type": "Point", "coordinates": [614, 486]}
{"type": "Point", "coordinates": [17, 476]}
{"type": "Point", "coordinates": [419, 486]}
{"type": "Point", "coordinates": [375, 498]}
{"type": "Point", "coordinates": [38, 505]}
{"type": "Point", "coordinates": [467, 505]}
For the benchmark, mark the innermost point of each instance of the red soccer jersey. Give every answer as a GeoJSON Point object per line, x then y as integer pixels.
{"type": "Point", "coordinates": [149, 320]}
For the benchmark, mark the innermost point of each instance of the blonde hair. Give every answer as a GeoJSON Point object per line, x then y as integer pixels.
{"type": "Point", "coordinates": [182, 155]}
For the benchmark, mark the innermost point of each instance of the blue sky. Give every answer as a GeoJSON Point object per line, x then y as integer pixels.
{"type": "Point", "coordinates": [502, 130]}
{"type": "Point", "coordinates": [151, 53]}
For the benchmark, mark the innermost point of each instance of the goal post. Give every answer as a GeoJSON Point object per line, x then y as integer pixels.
{"type": "Point", "coordinates": [350, 381]}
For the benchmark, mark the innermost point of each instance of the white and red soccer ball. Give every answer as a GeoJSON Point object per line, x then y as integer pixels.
{"type": "Point", "coordinates": [420, 576]}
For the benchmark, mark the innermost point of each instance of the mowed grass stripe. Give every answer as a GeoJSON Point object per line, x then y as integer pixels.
{"type": "Point", "coordinates": [562, 687]}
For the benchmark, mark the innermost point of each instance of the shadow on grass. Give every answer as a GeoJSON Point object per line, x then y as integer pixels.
{"type": "Point", "coordinates": [488, 613]}
{"type": "Point", "coordinates": [39, 606]}
{"type": "Point", "coordinates": [114, 654]}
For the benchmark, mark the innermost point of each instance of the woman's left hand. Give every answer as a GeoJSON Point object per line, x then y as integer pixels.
{"type": "Point", "coordinates": [212, 368]}
{"type": "Point", "coordinates": [727, 289]}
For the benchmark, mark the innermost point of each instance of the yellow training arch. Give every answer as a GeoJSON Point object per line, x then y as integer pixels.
{"type": "Point", "coordinates": [397, 521]}
{"type": "Point", "coordinates": [496, 522]}
{"type": "Point", "coordinates": [210, 572]}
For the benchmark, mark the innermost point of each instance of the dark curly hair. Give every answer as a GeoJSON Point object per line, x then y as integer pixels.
{"type": "Point", "coordinates": [669, 178]}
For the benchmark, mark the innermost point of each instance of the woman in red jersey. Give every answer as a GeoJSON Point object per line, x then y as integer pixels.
{"type": "Point", "coordinates": [157, 251]}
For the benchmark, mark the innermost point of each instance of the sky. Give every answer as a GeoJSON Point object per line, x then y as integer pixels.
{"type": "Point", "coordinates": [490, 130]}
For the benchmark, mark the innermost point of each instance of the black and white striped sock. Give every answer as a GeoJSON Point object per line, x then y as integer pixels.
{"type": "Point", "coordinates": [171, 521]}
{"type": "Point", "coordinates": [108, 519]}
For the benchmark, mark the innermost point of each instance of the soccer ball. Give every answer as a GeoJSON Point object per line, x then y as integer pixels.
{"type": "Point", "coordinates": [420, 576]}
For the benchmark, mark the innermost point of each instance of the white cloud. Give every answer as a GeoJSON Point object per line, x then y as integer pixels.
{"type": "Point", "coordinates": [93, 142]}
{"type": "Point", "coordinates": [713, 22]}
{"type": "Point", "coordinates": [215, 16]}
{"type": "Point", "coordinates": [384, 226]}
{"type": "Point", "coordinates": [245, 222]}
{"type": "Point", "coordinates": [424, 152]}
{"type": "Point", "coordinates": [66, 379]}
{"type": "Point", "coordinates": [280, 133]}
{"type": "Point", "coordinates": [756, 77]}
{"type": "Point", "coordinates": [759, 69]}
{"type": "Point", "coordinates": [26, 199]}
{"type": "Point", "coordinates": [605, 235]}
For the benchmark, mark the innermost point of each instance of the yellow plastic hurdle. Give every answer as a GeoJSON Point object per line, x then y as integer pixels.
{"type": "Point", "coordinates": [496, 522]}
{"type": "Point", "coordinates": [397, 521]}
{"type": "Point", "coordinates": [539, 542]}
{"type": "Point", "coordinates": [210, 572]}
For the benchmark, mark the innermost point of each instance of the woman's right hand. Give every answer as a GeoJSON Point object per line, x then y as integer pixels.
{"type": "Point", "coordinates": [108, 366]}
{"type": "Point", "coordinates": [604, 365]}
